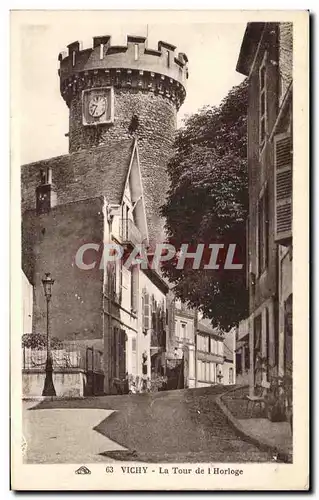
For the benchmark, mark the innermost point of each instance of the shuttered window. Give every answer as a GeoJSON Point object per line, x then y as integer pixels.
{"type": "Point", "coordinates": [146, 312]}
{"type": "Point", "coordinates": [263, 230]}
{"type": "Point", "coordinates": [122, 354]}
{"type": "Point", "coordinates": [118, 353]}
{"type": "Point", "coordinates": [283, 187]}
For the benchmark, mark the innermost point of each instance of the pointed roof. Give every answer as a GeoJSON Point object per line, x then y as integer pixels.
{"type": "Point", "coordinates": [89, 173]}
{"type": "Point", "coordinates": [205, 326]}
{"type": "Point", "coordinates": [249, 46]}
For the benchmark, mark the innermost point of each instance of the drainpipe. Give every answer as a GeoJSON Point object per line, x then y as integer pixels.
{"type": "Point", "coordinates": [195, 342]}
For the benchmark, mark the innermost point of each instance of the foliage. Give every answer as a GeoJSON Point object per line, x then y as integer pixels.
{"type": "Point", "coordinates": [158, 382]}
{"type": "Point", "coordinates": [279, 398]}
{"type": "Point", "coordinates": [38, 341]}
{"type": "Point", "coordinates": [279, 395]}
{"type": "Point", "coordinates": [208, 203]}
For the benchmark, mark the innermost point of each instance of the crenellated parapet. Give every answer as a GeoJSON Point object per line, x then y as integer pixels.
{"type": "Point", "coordinates": [133, 66]}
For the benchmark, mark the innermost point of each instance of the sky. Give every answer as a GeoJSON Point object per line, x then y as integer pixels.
{"type": "Point", "coordinates": [212, 50]}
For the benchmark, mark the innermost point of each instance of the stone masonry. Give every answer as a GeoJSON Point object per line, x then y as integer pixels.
{"type": "Point", "coordinates": [149, 88]}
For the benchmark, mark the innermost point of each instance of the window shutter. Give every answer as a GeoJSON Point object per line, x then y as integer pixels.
{"type": "Point", "coordinates": [283, 187]}
{"type": "Point", "coordinates": [115, 353]}
{"type": "Point", "coordinates": [122, 354]}
{"type": "Point", "coordinates": [147, 319]}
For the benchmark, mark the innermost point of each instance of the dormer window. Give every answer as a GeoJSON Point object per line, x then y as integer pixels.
{"type": "Point", "coordinates": [101, 50]}
{"type": "Point", "coordinates": [167, 58]}
{"type": "Point", "coordinates": [46, 176]}
{"type": "Point", "coordinates": [136, 52]}
{"type": "Point", "coordinates": [45, 196]}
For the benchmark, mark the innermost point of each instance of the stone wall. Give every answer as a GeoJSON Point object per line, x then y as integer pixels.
{"type": "Point", "coordinates": [261, 169]}
{"type": "Point", "coordinates": [85, 174]}
{"type": "Point", "coordinates": [285, 57]}
{"type": "Point", "coordinates": [155, 134]}
{"type": "Point", "coordinates": [49, 244]}
{"type": "Point", "coordinates": [68, 385]}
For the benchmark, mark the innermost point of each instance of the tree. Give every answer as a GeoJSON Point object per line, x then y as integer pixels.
{"type": "Point", "coordinates": [208, 203]}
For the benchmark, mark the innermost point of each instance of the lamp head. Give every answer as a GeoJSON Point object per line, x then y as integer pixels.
{"type": "Point", "coordinates": [47, 285]}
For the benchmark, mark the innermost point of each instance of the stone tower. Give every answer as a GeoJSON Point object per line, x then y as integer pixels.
{"type": "Point", "coordinates": [122, 116]}
{"type": "Point", "coordinates": [120, 92]}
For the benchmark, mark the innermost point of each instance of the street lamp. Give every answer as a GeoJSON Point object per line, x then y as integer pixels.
{"type": "Point", "coordinates": [48, 389]}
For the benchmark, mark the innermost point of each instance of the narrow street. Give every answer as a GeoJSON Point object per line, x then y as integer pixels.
{"type": "Point", "coordinates": [172, 426]}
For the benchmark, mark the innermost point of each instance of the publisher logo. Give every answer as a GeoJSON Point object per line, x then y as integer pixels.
{"type": "Point", "coordinates": [83, 470]}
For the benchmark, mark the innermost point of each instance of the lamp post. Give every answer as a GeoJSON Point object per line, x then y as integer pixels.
{"type": "Point", "coordinates": [48, 389]}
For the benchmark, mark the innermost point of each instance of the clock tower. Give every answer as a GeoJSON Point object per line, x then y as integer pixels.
{"type": "Point", "coordinates": [125, 92]}
{"type": "Point", "coordinates": [122, 102]}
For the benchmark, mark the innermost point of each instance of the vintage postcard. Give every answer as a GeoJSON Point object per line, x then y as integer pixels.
{"type": "Point", "coordinates": [159, 210]}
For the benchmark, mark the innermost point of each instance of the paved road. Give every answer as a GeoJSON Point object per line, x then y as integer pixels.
{"type": "Point", "coordinates": [65, 436]}
{"type": "Point", "coordinates": [173, 426]}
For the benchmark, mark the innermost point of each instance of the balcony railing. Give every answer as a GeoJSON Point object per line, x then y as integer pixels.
{"type": "Point", "coordinates": [129, 234]}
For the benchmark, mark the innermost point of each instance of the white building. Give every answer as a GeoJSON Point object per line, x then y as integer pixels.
{"type": "Point", "coordinates": [215, 355]}
{"type": "Point", "coordinates": [27, 304]}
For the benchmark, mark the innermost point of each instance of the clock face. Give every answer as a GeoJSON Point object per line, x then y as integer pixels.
{"type": "Point", "coordinates": [97, 106]}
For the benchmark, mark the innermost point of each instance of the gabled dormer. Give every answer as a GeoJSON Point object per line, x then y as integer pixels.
{"type": "Point", "coordinates": [133, 224]}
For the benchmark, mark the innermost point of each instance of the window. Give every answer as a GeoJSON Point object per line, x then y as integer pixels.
{"type": "Point", "coordinates": [136, 52]}
{"type": "Point", "coordinates": [126, 288]}
{"type": "Point", "coordinates": [267, 343]}
{"type": "Point", "coordinates": [133, 289]}
{"type": "Point", "coordinates": [247, 357]}
{"type": "Point", "coordinates": [46, 175]}
{"type": "Point", "coordinates": [134, 344]}
{"type": "Point", "coordinates": [176, 328]}
{"type": "Point", "coordinates": [101, 50]}
{"type": "Point", "coordinates": [231, 376]}
{"type": "Point", "coordinates": [168, 58]}
{"type": "Point", "coordinates": [203, 343]}
{"type": "Point", "coordinates": [118, 281]}
{"type": "Point", "coordinates": [119, 353]}
{"type": "Point", "coordinates": [263, 223]}
{"type": "Point", "coordinates": [288, 333]}
{"type": "Point", "coordinates": [184, 331]}
{"type": "Point", "coordinates": [134, 367]}
{"type": "Point", "coordinates": [147, 313]}
{"type": "Point", "coordinates": [207, 372]}
{"type": "Point", "coordinates": [257, 350]}
{"type": "Point", "coordinates": [239, 355]}
{"type": "Point", "coordinates": [213, 372]}
{"type": "Point", "coordinates": [283, 153]}
{"type": "Point", "coordinates": [206, 344]}
{"type": "Point", "coordinates": [263, 102]}
{"type": "Point", "coordinates": [213, 346]}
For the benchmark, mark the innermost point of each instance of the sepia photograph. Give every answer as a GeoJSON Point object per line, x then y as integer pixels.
{"type": "Point", "coordinates": [155, 168]}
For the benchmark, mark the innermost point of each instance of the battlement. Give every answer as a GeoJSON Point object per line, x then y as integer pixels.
{"type": "Point", "coordinates": [158, 69]}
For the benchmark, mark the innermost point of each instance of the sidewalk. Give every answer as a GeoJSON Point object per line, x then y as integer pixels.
{"type": "Point", "coordinates": [274, 436]}
{"type": "Point", "coordinates": [65, 435]}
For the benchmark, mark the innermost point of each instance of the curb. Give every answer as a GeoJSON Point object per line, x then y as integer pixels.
{"type": "Point", "coordinates": [39, 399]}
{"type": "Point", "coordinates": [282, 456]}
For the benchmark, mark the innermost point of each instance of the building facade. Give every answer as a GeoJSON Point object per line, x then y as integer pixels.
{"type": "Point", "coordinates": [229, 366]}
{"type": "Point", "coordinates": [27, 304]}
{"type": "Point", "coordinates": [108, 190]}
{"type": "Point", "coordinates": [242, 353]}
{"type": "Point", "coordinates": [180, 356]}
{"type": "Point", "coordinates": [266, 59]}
{"type": "Point", "coordinates": [209, 355]}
